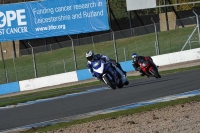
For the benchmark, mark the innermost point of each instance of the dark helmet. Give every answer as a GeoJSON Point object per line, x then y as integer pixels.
{"type": "Point", "coordinates": [134, 56]}
{"type": "Point", "coordinates": [89, 55]}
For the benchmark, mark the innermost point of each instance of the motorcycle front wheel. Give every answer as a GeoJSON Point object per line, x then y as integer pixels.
{"type": "Point", "coordinates": [108, 82]}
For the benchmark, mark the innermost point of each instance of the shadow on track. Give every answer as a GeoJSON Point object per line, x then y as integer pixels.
{"type": "Point", "coordinates": [163, 79]}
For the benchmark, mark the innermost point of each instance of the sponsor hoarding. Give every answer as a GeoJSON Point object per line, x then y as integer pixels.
{"type": "Point", "coordinates": [42, 19]}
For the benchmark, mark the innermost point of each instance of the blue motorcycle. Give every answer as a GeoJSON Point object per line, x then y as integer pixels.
{"type": "Point", "coordinates": [110, 74]}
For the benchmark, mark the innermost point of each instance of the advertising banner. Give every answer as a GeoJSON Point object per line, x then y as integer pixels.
{"type": "Point", "coordinates": [42, 19]}
{"type": "Point", "coordinates": [140, 4]}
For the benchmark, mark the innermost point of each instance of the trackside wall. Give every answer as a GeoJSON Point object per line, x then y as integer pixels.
{"type": "Point", "coordinates": [177, 57]}
{"type": "Point", "coordinates": [42, 82]}
{"type": "Point", "coordinates": [9, 88]}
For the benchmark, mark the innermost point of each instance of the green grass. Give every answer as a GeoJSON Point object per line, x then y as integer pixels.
{"type": "Point", "coordinates": [53, 62]}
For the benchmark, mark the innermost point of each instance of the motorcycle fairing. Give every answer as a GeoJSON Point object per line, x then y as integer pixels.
{"type": "Point", "coordinates": [145, 65]}
{"type": "Point", "coordinates": [98, 66]}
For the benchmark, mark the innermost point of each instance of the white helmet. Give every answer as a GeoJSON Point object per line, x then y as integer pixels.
{"type": "Point", "coordinates": [135, 56]}
{"type": "Point", "coordinates": [89, 55]}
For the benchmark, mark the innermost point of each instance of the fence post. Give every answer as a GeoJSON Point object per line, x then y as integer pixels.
{"type": "Point", "coordinates": [93, 44]}
{"type": "Point", "coordinates": [64, 65]}
{"type": "Point", "coordinates": [45, 43]}
{"type": "Point", "coordinates": [51, 48]}
{"type": "Point", "coordinates": [14, 49]}
{"type": "Point", "coordinates": [74, 52]}
{"type": "Point", "coordinates": [125, 53]}
{"type": "Point", "coordinates": [15, 69]}
{"type": "Point", "coordinates": [196, 28]}
{"type": "Point", "coordinates": [4, 66]}
{"type": "Point", "coordinates": [115, 48]}
{"type": "Point", "coordinates": [190, 43]}
{"type": "Point", "coordinates": [157, 42]}
{"type": "Point", "coordinates": [34, 63]}
{"type": "Point", "coordinates": [197, 17]}
{"type": "Point", "coordinates": [130, 22]}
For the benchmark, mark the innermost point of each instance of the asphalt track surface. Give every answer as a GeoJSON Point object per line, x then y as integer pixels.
{"type": "Point", "coordinates": [138, 90]}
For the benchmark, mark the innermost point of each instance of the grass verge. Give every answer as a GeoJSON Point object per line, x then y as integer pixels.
{"type": "Point", "coordinates": [114, 115]}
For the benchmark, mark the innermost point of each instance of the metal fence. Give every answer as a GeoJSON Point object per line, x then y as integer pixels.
{"type": "Point", "coordinates": [70, 55]}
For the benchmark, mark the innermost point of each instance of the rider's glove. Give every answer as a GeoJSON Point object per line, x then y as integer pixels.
{"type": "Point", "coordinates": [103, 59]}
{"type": "Point", "coordinates": [113, 62]}
{"type": "Point", "coordinates": [93, 75]}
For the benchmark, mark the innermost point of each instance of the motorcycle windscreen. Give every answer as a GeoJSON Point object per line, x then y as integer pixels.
{"type": "Point", "coordinates": [98, 67]}
{"type": "Point", "coordinates": [145, 63]}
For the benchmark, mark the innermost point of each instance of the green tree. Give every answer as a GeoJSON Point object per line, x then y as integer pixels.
{"type": "Point", "coordinates": [119, 9]}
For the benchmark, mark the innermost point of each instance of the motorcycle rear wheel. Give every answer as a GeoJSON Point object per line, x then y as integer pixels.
{"type": "Point", "coordinates": [127, 82]}
{"type": "Point", "coordinates": [156, 74]}
{"type": "Point", "coordinates": [120, 85]}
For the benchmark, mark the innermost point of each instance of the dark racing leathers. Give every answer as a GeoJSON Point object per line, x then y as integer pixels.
{"type": "Point", "coordinates": [106, 59]}
{"type": "Point", "coordinates": [136, 65]}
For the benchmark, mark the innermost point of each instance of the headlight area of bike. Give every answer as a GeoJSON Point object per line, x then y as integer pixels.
{"type": "Point", "coordinates": [97, 64]}
{"type": "Point", "coordinates": [145, 63]}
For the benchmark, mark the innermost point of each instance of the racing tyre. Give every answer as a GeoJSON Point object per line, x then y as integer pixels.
{"type": "Point", "coordinates": [120, 85]}
{"type": "Point", "coordinates": [156, 74]}
{"type": "Point", "coordinates": [108, 82]}
{"type": "Point", "coordinates": [127, 82]}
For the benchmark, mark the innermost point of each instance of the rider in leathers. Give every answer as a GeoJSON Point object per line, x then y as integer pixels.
{"type": "Point", "coordinates": [135, 64]}
{"type": "Point", "coordinates": [91, 57]}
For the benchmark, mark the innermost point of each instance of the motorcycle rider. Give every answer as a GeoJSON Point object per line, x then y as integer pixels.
{"type": "Point", "coordinates": [91, 57]}
{"type": "Point", "coordinates": [135, 64]}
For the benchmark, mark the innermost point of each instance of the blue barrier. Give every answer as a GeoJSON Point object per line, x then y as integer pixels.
{"type": "Point", "coordinates": [83, 74]}
{"type": "Point", "coordinates": [127, 66]}
{"type": "Point", "coordinates": [9, 88]}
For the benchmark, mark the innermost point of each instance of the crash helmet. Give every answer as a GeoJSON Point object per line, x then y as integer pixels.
{"type": "Point", "coordinates": [134, 56]}
{"type": "Point", "coordinates": [89, 55]}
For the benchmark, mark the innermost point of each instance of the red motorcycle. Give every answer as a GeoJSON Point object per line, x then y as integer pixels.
{"type": "Point", "coordinates": [148, 67]}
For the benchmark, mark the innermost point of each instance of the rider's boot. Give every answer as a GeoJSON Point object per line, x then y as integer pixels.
{"type": "Point", "coordinates": [119, 66]}
{"type": "Point", "coordinates": [142, 73]}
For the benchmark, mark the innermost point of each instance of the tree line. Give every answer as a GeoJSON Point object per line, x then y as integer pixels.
{"type": "Point", "coordinates": [118, 10]}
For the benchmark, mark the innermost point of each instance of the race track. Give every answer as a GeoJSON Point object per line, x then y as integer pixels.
{"type": "Point", "coordinates": [138, 90]}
